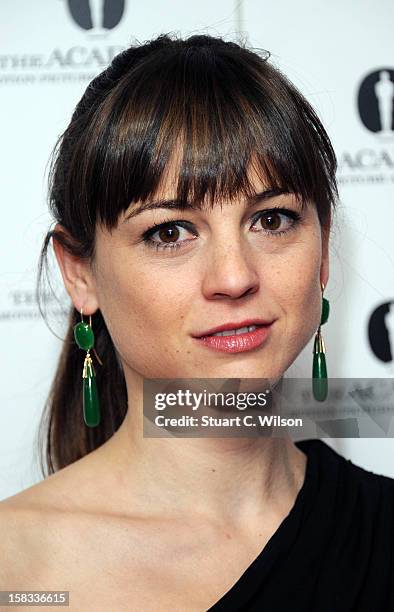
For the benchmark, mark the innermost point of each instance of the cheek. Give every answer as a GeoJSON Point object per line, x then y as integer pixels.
{"type": "Point", "coordinates": [147, 308]}
{"type": "Point", "coordinates": [299, 296]}
{"type": "Point", "coordinates": [157, 302]}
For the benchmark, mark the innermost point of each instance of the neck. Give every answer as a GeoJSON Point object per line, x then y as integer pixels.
{"type": "Point", "coordinates": [215, 478]}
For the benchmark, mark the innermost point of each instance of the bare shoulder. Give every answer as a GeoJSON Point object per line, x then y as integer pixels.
{"type": "Point", "coordinates": [51, 493]}
{"type": "Point", "coordinates": [38, 527]}
{"type": "Point", "coordinates": [62, 491]}
{"type": "Point", "coordinates": [57, 535]}
{"type": "Point", "coordinates": [22, 535]}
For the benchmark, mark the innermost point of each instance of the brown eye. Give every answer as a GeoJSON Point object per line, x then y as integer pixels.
{"type": "Point", "coordinates": [169, 234]}
{"type": "Point", "coordinates": [276, 221]}
{"type": "Point", "coordinates": [270, 221]}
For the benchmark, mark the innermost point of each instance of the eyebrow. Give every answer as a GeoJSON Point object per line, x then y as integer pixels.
{"type": "Point", "coordinates": [256, 198]}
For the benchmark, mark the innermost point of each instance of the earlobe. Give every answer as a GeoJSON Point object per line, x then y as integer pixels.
{"type": "Point", "coordinates": [75, 272]}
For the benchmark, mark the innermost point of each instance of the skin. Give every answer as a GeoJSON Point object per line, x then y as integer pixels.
{"type": "Point", "coordinates": [190, 496]}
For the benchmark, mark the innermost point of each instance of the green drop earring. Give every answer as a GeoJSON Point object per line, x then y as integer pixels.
{"type": "Point", "coordinates": [319, 369]}
{"type": "Point", "coordinates": [84, 337]}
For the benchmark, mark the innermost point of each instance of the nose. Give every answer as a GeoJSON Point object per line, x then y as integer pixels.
{"type": "Point", "coordinates": [229, 272]}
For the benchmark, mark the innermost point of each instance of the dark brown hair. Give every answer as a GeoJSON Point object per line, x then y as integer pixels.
{"type": "Point", "coordinates": [225, 104]}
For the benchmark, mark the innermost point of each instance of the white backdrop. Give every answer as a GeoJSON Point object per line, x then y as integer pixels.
{"type": "Point", "coordinates": [340, 54]}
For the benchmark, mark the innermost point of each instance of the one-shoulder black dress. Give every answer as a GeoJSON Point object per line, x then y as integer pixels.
{"type": "Point", "coordinates": [334, 551]}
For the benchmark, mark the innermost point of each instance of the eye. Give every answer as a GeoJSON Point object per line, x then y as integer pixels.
{"type": "Point", "coordinates": [275, 218]}
{"type": "Point", "coordinates": [168, 232]}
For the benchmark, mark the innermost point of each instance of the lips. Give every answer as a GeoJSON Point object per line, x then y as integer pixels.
{"type": "Point", "coordinates": [231, 325]}
{"type": "Point", "coordinates": [238, 343]}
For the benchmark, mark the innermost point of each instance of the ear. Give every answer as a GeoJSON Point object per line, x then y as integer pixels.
{"type": "Point", "coordinates": [77, 276]}
{"type": "Point", "coordinates": [324, 266]}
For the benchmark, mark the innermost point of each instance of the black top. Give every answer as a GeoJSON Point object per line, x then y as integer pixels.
{"type": "Point", "coordinates": [334, 551]}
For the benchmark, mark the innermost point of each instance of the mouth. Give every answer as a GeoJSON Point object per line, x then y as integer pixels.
{"type": "Point", "coordinates": [238, 339]}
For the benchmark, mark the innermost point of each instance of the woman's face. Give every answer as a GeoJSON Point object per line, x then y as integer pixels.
{"type": "Point", "coordinates": [230, 264]}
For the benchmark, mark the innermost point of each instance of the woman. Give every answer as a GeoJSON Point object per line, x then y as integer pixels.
{"type": "Point", "coordinates": [193, 188]}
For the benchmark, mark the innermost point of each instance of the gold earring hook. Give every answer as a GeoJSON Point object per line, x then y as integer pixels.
{"type": "Point", "coordinates": [90, 323]}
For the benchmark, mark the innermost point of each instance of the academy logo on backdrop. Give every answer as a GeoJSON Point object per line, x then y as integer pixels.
{"type": "Point", "coordinates": [372, 163]}
{"type": "Point", "coordinates": [381, 332]}
{"type": "Point", "coordinates": [97, 15]}
{"type": "Point", "coordinates": [375, 102]}
{"type": "Point", "coordinates": [97, 44]}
